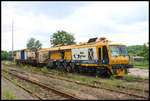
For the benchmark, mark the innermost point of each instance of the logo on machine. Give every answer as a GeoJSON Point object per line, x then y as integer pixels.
{"type": "Point", "coordinates": [78, 56]}
{"type": "Point", "coordinates": [90, 54]}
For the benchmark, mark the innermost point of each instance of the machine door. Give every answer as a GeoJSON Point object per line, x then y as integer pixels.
{"type": "Point", "coordinates": [100, 54]}
{"type": "Point", "coordinates": [22, 54]}
{"type": "Point", "coordinates": [105, 55]}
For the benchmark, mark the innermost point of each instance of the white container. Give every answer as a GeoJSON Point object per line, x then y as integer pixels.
{"type": "Point", "coordinates": [18, 56]}
{"type": "Point", "coordinates": [42, 56]}
{"type": "Point", "coordinates": [28, 55]}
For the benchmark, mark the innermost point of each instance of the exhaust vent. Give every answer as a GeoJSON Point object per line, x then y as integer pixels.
{"type": "Point", "coordinates": [92, 40]}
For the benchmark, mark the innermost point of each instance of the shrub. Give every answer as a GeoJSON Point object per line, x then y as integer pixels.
{"type": "Point", "coordinates": [44, 70]}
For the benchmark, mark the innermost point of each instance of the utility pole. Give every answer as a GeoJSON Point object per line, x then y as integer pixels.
{"type": "Point", "coordinates": [12, 39]}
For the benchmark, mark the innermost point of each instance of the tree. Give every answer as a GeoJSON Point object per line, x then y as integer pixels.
{"type": "Point", "coordinates": [4, 55]}
{"type": "Point", "coordinates": [134, 49]}
{"type": "Point", "coordinates": [144, 52]}
{"type": "Point", "coordinates": [62, 37]}
{"type": "Point", "coordinates": [34, 44]}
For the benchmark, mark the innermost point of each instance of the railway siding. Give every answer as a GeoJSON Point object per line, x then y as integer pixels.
{"type": "Point", "coordinates": [22, 95]}
{"type": "Point", "coordinates": [73, 88]}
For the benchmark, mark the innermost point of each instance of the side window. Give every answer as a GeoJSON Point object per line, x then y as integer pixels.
{"type": "Point", "coordinates": [99, 53]}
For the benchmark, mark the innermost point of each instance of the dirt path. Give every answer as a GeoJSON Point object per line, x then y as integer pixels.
{"type": "Point", "coordinates": [17, 91]}
{"type": "Point", "coordinates": [139, 72]}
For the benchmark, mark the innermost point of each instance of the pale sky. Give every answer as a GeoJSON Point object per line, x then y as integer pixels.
{"type": "Point", "coordinates": [125, 22]}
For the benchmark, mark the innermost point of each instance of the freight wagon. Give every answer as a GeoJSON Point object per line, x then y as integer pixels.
{"type": "Point", "coordinates": [25, 56]}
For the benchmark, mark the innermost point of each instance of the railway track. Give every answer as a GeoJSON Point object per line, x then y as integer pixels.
{"type": "Point", "coordinates": [119, 91]}
{"type": "Point", "coordinates": [55, 92]}
{"type": "Point", "coordinates": [98, 82]}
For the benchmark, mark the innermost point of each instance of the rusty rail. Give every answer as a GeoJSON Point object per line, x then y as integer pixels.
{"type": "Point", "coordinates": [119, 86]}
{"type": "Point", "coordinates": [24, 88]}
{"type": "Point", "coordinates": [100, 87]}
{"type": "Point", "coordinates": [104, 87]}
{"type": "Point", "coordinates": [43, 85]}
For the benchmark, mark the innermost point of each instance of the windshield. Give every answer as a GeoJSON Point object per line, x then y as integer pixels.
{"type": "Point", "coordinates": [118, 51]}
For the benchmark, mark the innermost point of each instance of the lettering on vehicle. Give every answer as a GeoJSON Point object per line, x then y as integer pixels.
{"type": "Point", "coordinates": [84, 53]}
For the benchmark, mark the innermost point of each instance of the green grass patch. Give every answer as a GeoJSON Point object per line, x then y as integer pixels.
{"type": "Point", "coordinates": [32, 69]}
{"type": "Point", "coordinates": [25, 67]}
{"type": "Point", "coordinates": [133, 78]}
{"type": "Point", "coordinates": [140, 64]}
{"type": "Point", "coordinates": [133, 86]}
{"type": "Point", "coordinates": [6, 75]}
{"type": "Point", "coordinates": [15, 81]}
{"type": "Point", "coordinates": [8, 63]}
{"type": "Point", "coordinates": [7, 94]}
{"type": "Point", "coordinates": [44, 70]}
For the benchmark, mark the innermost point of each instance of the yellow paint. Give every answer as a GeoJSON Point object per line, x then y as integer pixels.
{"type": "Point", "coordinates": [43, 62]}
{"type": "Point", "coordinates": [55, 55]}
{"type": "Point", "coordinates": [28, 50]}
{"type": "Point", "coordinates": [68, 55]}
{"type": "Point", "coordinates": [120, 73]}
{"type": "Point", "coordinates": [92, 64]}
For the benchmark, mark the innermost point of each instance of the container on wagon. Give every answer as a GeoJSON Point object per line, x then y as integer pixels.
{"type": "Point", "coordinates": [25, 54]}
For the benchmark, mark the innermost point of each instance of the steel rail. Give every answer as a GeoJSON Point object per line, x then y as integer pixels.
{"type": "Point", "coordinates": [99, 87]}
{"type": "Point", "coordinates": [45, 86]}
{"type": "Point", "coordinates": [119, 86]}
{"type": "Point", "coordinates": [24, 88]}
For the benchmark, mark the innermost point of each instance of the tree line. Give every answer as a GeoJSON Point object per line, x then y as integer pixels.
{"type": "Point", "coordinates": [139, 50]}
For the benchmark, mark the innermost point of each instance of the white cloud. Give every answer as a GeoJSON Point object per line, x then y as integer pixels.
{"type": "Point", "coordinates": [95, 19]}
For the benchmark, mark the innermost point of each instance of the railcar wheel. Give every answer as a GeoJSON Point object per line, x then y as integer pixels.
{"type": "Point", "coordinates": [72, 65]}
{"type": "Point", "coordinates": [61, 67]}
{"type": "Point", "coordinates": [69, 69]}
{"type": "Point", "coordinates": [105, 72]}
{"type": "Point", "coordinates": [57, 66]}
{"type": "Point", "coordinates": [50, 64]}
{"type": "Point", "coordinates": [65, 66]}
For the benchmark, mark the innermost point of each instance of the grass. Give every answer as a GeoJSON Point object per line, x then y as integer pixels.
{"type": "Point", "coordinates": [26, 67]}
{"type": "Point", "coordinates": [7, 94]}
{"type": "Point", "coordinates": [6, 75]}
{"type": "Point", "coordinates": [108, 84]}
{"type": "Point", "coordinates": [140, 64]}
{"type": "Point", "coordinates": [8, 63]}
{"type": "Point", "coordinates": [133, 86]}
{"type": "Point", "coordinates": [32, 69]}
{"type": "Point", "coordinates": [66, 90]}
{"type": "Point", "coordinates": [112, 78]}
{"type": "Point", "coordinates": [15, 81]}
{"type": "Point", "coordinates": [44, 70]}
{"type": "Point", "coordinates": [132, 78]}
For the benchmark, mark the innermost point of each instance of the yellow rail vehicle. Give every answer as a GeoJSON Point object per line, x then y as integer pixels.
{"type": "Point", "coordinates": [100, 56]}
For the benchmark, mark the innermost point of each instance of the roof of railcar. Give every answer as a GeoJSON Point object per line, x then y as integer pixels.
{"type": "Point", "coordinates": [80, 46]}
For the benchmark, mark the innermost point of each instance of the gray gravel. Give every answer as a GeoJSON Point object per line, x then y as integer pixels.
{"type": "Point", "coordinates": [139, 72]}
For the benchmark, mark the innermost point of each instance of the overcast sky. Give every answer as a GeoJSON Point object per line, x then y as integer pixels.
{"type": "Point", "coordinates": [125, 22]}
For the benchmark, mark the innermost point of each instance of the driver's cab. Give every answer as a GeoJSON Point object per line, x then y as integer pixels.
{"type": "Point", "coordinates": [113, 54]}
